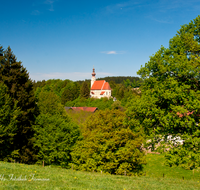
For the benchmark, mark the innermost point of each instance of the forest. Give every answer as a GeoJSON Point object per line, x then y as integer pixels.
{"type": "Point", "coordinates": [35, 128]}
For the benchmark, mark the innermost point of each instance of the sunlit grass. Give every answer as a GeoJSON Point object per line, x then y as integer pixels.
{"type": "Point", "coordinates": [50, 177]}
{"type": "Point", "coordinates": [156, 168]}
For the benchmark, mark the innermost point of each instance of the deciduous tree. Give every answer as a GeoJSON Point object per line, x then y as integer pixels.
{"type": "Point", "coordinates": [55, 133]}
{"type": "Point", "coordinates": [170, 101]}
{"type": "Point", "coordinates": [109, 146]}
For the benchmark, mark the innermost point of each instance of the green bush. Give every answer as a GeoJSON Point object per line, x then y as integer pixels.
{"type": "Point", "coordinates": [108, 145]}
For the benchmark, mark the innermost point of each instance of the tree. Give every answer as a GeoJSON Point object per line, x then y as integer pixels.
{"type": "Point", "coordinates": [170, 101]}
{"type": "Point", "coordinates": [8, 125]}
{"type": "Point", "coordinates": [20, 90]}
{"type": "Point", "coordinates": [55, 136]}
{"type": "Point", "coordinates": [85, 91]}
{"type": "Point", "coordinates": [55, 133]}
{"type": "Point", "coordinates": [108, 145]}
{"type": "Point", "coordinates": [49, 102]}
{"type": "Point", "coordinates": [70, 92]}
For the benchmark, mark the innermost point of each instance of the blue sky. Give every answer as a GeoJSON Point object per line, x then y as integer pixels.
{"type": "Point", "coordinates": [65, 38]}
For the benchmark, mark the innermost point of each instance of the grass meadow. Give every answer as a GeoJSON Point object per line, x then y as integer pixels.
{"type": "Point", "coordinates": [158, 176]}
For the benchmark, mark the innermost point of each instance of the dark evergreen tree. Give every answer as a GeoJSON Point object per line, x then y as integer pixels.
{"type": "Point", "coordinates": [8, 125]}
{"type": "Point", "coordinates": [85, 91]}
{"type": "Point", "coordinates": [20, 89]}
{"type": "Point", "coordinates": [70, 92]}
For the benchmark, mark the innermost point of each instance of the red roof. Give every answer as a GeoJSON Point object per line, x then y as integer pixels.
{"type": "Point", "coordinates": [100, 85]}
{"type": "Point", "coordinates": [106, 86]}
{"type": "Point", "coordinates": [102, 92]}
{"type": "Point", "coordinates": [90, 109]}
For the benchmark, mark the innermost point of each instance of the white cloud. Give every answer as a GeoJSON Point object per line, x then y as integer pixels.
{"type": "Point", "coordinates": [113, 52]}
{"type": "Point", "coordinates": [74, 76]}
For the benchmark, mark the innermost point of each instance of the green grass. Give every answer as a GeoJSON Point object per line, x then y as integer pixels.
{"type": "Point", "coordinates": [155, 168]}
{"type": "Point", "coordinates": [58, 178]}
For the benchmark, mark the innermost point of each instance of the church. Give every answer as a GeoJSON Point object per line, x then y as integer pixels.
{"type": "Point", "coordinates": [100, 88]}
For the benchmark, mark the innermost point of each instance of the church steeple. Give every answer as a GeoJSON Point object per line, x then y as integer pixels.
{"type": "Point", "coordinates": [93, 77]}
{"type": "Point", "coordinates": [93, 73]}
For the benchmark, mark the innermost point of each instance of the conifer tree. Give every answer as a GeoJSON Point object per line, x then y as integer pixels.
{"type": "Point", "coordinates": [8, 125]}
{"type": "Point", "coordinates": [70, 92]}
{"type": "Point", "coordinates": [85, 91]}
{"type": "Point", "coordinates": [20, 90]}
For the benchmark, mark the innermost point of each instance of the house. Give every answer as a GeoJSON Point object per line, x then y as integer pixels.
{"type": "Point", "coordinates": [100, 88]}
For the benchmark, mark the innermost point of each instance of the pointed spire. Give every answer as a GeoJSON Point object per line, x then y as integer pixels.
{"type": "Point", "coordinates": [93, 73]}
{"type": "Point", "coordinates": [93, 77]}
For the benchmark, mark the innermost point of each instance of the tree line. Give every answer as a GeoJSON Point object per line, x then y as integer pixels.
{"type": "Point", "coordinates": [77, 94]}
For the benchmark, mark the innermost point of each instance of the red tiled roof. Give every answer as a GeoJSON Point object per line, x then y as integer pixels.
{"type": "Point", "coordinates": [100, 85]}
{"type": "Point", "coordinates": [97, 85]}
{"type": "Point", "coordinates": [90, 109]}
{"type": "Point", "coordinates": [106, 86]}
{"type": "Point", "coordinates": [102, 92]}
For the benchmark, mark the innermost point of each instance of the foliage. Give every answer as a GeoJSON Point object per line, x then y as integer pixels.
{"type": "Point", "coordinates": [66, 90]}
{"type": "Point", "coordinates": [101, 104]}
{"type": "Point", "coordinates": [38, 84]}
{"type": "Point", "coordinates": [117, 105]}
{"type": "Point", "coordinates": [121, 79]}
{"type": "Point", "coordinates": [70, 92]}
{"type": "Point", "coordinates": [170, 101]}
{"type": "Point", "coordinates": [20, 90]}
{"type": "Point", "coordinates": [49, 103]}
{"type": "Point", "coordinates": [134, 84]}
{"type": "Point", "coordinates": [118, 91]}
{"type": "Point", "coordinates": [55, 137]}
{"type": "Point", "coordinates": [55, 85]}
{"type": "Point", "coordinates": [85, 91]}
{"type": "Point", "coordinates": [187, 155]}
{"type": "Point", "coordinates": [79, 117]}
{"type": "Point", "coordinates": [74, 93]}
{"type": "Point", "coordinates": [8, 124]}
{"type": "Point", "coordinates": [109, 146]}
{"type": "Point", "coordinates": [55, 133]}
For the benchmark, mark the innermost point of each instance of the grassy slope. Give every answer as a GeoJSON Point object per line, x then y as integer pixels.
{"type": "Point", "coordinates": [68, 179]}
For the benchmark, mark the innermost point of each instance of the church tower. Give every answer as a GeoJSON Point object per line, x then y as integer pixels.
{"type": "Point", "coordinates": [93, 77]}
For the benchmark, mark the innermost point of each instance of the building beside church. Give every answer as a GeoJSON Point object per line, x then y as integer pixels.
{"type": "Point", "coordinates": [100, 88]}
